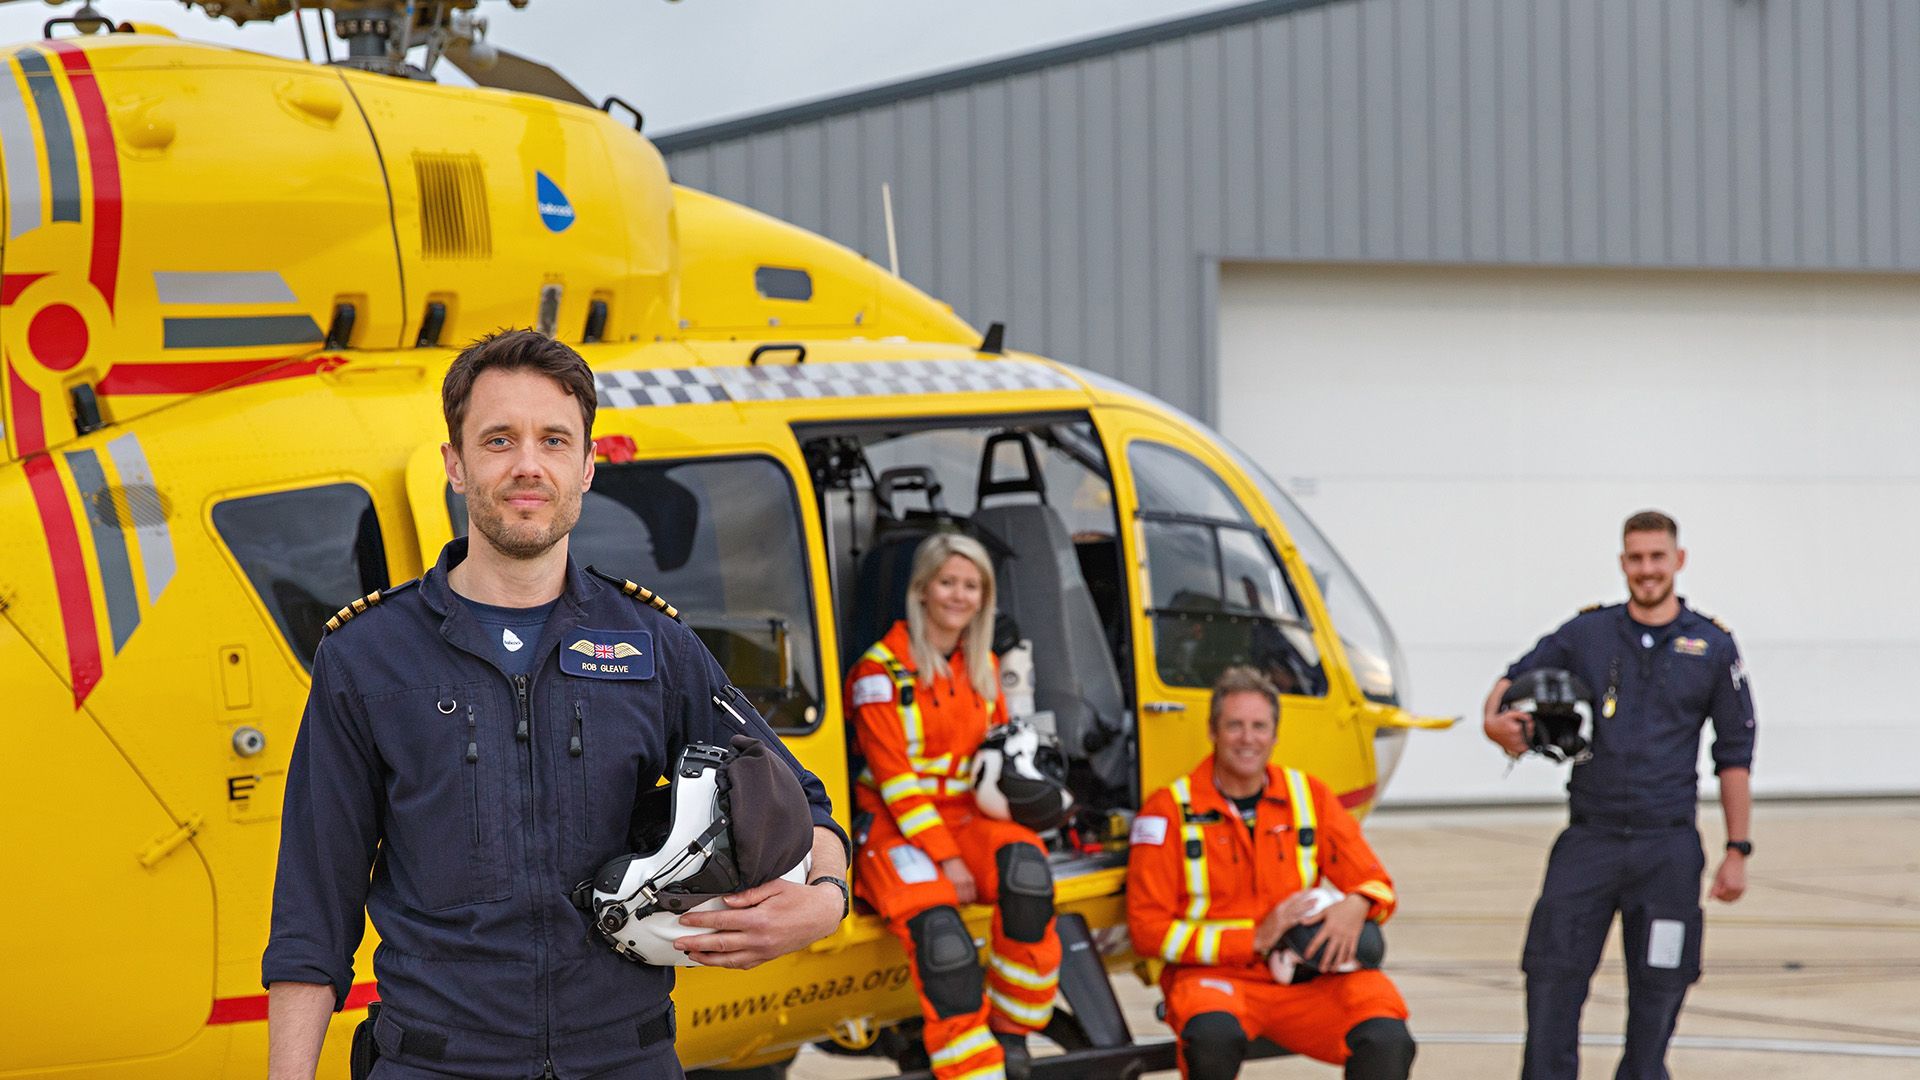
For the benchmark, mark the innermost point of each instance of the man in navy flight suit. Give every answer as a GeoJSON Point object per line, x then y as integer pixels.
{"type": "Point", "coordinates": [1658, 671]}
{"type": "Point", "coordinates": [462, 764]}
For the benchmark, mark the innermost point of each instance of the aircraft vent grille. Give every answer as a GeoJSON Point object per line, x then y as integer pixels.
{"type": "Point", "coordinates": [453, 206]}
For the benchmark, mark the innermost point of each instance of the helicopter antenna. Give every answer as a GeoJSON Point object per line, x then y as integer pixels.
{"type": "Point", "coordinates": [893, 242]}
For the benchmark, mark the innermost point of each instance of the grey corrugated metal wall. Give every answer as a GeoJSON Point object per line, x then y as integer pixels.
{"type": "Point", "coordinates": [1086, 195]}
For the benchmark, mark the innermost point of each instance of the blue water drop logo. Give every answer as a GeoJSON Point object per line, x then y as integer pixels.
{"type": "Point", "coordinates": [555, 211]}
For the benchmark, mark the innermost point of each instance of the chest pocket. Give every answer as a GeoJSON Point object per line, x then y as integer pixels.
{"type": "Point", "coordinates": [449, 760]}
{"type": "Point", "coordinates": [614, 750]}
{"type": "Point", "coordinates": [1690, 680]}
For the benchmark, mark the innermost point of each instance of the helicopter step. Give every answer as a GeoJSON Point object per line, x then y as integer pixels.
{"type": "Point", "coordinates": [1092, 1029]}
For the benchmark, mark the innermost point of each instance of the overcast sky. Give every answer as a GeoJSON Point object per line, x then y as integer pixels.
{"type": "Point", "coordinates": [696, 61]}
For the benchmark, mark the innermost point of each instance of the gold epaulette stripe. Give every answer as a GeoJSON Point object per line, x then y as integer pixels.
{"type": "Point", "coordinates": [651, 597]}
{"type": "Point", "coordinates": [1591, 607]}
{"type": "Point", "coordinates": [345, 615]}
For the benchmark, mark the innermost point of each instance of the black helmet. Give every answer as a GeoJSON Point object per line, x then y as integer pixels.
{"type": "Point", "coordinates": [1289, 961]}
{"type": "Point", "coordinates": [1562, 710]}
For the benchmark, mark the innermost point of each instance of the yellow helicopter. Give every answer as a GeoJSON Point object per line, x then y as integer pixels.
{"type": "Point", "coordinates": [229, 287]}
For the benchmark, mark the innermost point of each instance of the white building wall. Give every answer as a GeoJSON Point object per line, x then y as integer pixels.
{"type": "Point", "coordinates": [1471, 439]}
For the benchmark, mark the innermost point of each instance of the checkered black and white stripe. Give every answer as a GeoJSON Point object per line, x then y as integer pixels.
{"type": "Point", "coordinates": [884, 378]}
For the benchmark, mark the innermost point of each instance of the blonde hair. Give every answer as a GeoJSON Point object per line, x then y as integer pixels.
{"type": "Point", "coordinates": [976, 640]}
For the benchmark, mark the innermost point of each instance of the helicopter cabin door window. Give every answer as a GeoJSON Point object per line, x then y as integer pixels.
{"type": "Point", "coordinates": [307, 553]}
{"type": "Point", "coordinates": [1218, 596]}
{"type": "Point", "coordinates": [720, 539]}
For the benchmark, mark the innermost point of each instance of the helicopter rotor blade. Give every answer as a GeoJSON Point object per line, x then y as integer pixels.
{"type": "Point", "coordinates": [511, 71]}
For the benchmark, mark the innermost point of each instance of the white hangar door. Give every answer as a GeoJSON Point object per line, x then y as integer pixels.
{"type": "Point", "coordinates": [1472, 439]}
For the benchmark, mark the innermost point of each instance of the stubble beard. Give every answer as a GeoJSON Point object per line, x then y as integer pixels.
{"type": "Point", "coordinates": [524, 540]}
{"type": "Point", "coordinates": [1665, 590]}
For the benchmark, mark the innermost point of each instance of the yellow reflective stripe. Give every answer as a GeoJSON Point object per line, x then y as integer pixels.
{"type": "Point", "coordinates": [902, 681]}
{"type": "Point", "coordinates": [1178, 936]}
{"type": "Point", "coordinates": [985, 1072]}
{"type": "Point", "coordinates": [904, 786]}
{"type": "Point", "coordinates": [1192, 839]}
{"type": "Point", "coordinates": [972, 1041]}
{"type": "Point", "coordinates": [1306, 856]}
{"type": "Point", "coordinates": [1208, 951]}
{"type": "Point", "coordinates": [938, 766]}
{"type": "Point", "coordinates": [1022, 976]}
{"type": "Point", "coordinates": [1031, 1015]}
{"type": "Point", "coordinates": [918, 820]}
{"type": "Point", "coordinates": [1375, 890]}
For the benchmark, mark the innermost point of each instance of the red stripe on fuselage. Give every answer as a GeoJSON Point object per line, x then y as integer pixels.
{"type": "Point", "coordinates": [29, 427]}
{"type": "Point", "coordinates": [102, 162]}
{"type": "Point", "coordinates": [196, 378]}
{"type": "Point", "coordinates": [69, 574]}
{"type": "Point", "coordinates": [11, 286]}
{"type": "Point", "coordinates": [253, 1008]}
{"type": "Point", "coordinates": [1357, 796]}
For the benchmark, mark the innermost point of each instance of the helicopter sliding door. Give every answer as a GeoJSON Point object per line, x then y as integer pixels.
{"type": "Point", "coordinates": [109, 934]}
{"type": "Point", "coordinates": [1214, 592]}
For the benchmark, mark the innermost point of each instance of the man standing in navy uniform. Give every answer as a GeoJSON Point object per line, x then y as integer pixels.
{"type": "Point", "coordinates": [459, 770]}
{"type": "Point", "coordinates": [1659, 671]}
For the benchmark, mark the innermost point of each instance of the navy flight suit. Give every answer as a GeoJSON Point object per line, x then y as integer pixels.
{"type": "Point", "coordinates": [458, 805]}
{"type": "Point", "coordinates": [1632, 846]}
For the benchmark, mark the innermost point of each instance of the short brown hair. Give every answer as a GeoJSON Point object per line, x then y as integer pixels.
{"type": "Point", "coordinates": [516, 350]}
{"type": "Point", "coordinates": [1241, 680]}
{"type": "Point", "coordinates": [1652, 521]}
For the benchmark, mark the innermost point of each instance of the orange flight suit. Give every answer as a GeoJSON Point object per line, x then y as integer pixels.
{"type": "Point", "coordinates": [917, 784]}
{"type": "Point", "coordinates": [1199, 881]}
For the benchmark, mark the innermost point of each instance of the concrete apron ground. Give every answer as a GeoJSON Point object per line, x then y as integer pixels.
{"type": "Point", "coordinates": [1814, 974]}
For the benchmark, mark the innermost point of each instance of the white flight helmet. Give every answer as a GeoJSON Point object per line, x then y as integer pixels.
{"type": "Point", "coordinates": [734, 818]}
{"type": "Point", "coordinates": [1017, 777]}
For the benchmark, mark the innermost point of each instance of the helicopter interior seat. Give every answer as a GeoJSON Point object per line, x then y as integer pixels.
{"type": "Point", "coordinates": [883, 570]}
{"type": "Point", "coordinates": [1042, 587]}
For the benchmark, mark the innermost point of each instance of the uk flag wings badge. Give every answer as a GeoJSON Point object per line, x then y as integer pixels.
{"type": "Point", "coordinates": [608, 654]}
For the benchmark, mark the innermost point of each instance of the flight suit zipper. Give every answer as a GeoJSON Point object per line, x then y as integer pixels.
{"type": "Point", "coordinates": [523, 731]}
{"type": "Point", "coordinates": [473, 770]}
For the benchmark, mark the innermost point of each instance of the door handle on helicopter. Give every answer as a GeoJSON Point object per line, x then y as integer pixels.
{"type": "Point", "coordinates": [171, 842]}
{"type": "Point", "coordinates": [1165, 706]}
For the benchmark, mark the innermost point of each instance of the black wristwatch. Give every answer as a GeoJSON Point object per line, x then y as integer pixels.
{"type": "Point", "coordinates": [846, 893]}
{"type": "Point", "coordinates": [1744, 847]}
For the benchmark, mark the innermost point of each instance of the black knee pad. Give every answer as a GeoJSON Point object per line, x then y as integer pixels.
{"type": "Point", "coordinates": [1214, 1045]}
{"type": "Point", "coordinates": [950, 974]}
{"type": "Point", "coordinates": [1382, 1049]}
{"type": "Point", "coordinates": [1026, 892]}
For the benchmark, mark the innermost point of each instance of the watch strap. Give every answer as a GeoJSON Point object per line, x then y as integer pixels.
{"type": "Point", "coordinates": [846, 892]}
{"type": "Point", "coordinates": [1744, 847]}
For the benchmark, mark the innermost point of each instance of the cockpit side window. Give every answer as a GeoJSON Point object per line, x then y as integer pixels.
{"type": "Point", "coordinates": [307, 553]}
{"type": "Point", "coordinates": [721, 539]}
{"type": "Point", "coordinates": [1373, 652]}
{"type": "Point", "coordinates": [1218, 595]}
